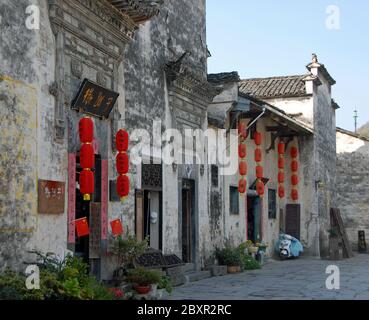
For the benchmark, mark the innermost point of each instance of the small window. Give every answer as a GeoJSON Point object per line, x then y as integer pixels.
{"type": "Point", "coordinates": [214, 175]}
{"type": "Point", "coordinates": [272, 204]}
{"type": "Point", "coordinates": [233, 201]}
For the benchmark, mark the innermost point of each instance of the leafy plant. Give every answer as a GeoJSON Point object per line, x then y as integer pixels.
{"type": "Point", "coordinates": [249, 263]}
{"type": "Point", "coordinates": [143, 277]}
{"type": "Point", "coordinates": [165, 283]}
{"type": "Point", "coordinates": [229, 256]}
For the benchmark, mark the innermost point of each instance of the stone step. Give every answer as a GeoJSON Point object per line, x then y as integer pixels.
{"type": "Point", "coordinates": [188, 267]}
{"type": "Point", "coordinates": [197, 275]}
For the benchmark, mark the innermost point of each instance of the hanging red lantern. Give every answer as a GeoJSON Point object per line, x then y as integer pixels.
{"type": "Point", "coordinates": [259, 172]}
{"type": "Point", "coordinates": [281, 148]}
{"type": "Point", "coordinates": [122, 140]}
{"type": "Point", "coordinates": [280, 163]}
{"type": "Point", "coordinates": [86, 130]}
{"type": "Point", "coordinates": [280, 177]}
{"type": "Point", "coordinates": [242, 150]}
{"type": "Point", "coordinates": [87, 156]}
{"type": "Point", "coordinates": [260, 188]}
{"type": "Point", "coordinates": [123, 186]}
{"type": "Point", "coordinates": [258, 155]}
{"type": "Point", "coordinates": [242, 184]}
{"type": "Point", "coordinates": [294, 166]}
{"type": "Point", "coordinates": [294, 180]}
{"type": "Point", "coordinates": [257, 138]}
{"type": "Point", "coordinates": [242, 131]}
{"type": "Point", "coordinates": [86, 184]}
{"type": "Point", "coordinates": [281, 192]}
{"type": "Point", "coordinates": [122, 163]}
{"type": "Point", "coordinates": [243, 168]}
{"type": "Point", "coordinates": [294, 152]}
{"type": "Point", "coordinates": [294, 195]}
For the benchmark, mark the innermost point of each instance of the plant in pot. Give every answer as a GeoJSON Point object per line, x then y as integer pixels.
{"type": "Point", "coordinates": [164, 285]}
{"type": "Point", "coordinates": [231, 257]}
{"type": "Point", "coordinates": [143, 279]}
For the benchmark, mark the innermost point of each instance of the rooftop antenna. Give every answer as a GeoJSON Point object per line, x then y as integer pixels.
{"type": "Point", "coordinates": [355, 118]}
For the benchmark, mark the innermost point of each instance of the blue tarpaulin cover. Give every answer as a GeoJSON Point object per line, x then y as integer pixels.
{"type": "Point", "coordinates": [296, 246]}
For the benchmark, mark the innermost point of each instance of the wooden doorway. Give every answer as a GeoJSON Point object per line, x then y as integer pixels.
{"type": "Point", "coordinates": [293, 220]}
{"type": "Point", "coordinates": [253, 219]}
{"type": "Point", "coordinates": [188, 221]}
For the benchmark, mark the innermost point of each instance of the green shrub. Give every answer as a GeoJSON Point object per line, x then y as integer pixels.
{"type": "Point", "coordinates": [143, 277]}
{"type": "Point", "coordinates": [249, 263]}
{"type": "Point", "coordinates": [165, 283]}
{"type": "Point", "coordinates": [229, 256]}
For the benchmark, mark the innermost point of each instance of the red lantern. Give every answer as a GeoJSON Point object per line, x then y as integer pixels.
{"type": "Point", "coordinates": [242, 186]}
{"type": "Point", "coordinates": [242, 150]}
{"type": "Point", "coordinates": [258, 155]}
{"type": "Point", "coordinates": [294, 180]}
{"type": "Point", "coordinates": [259, 172]}
{"type": "Point", "coordinates": [257, 138]}
{"type": "Point", "coordinates": [86, 184]}
{"type": "Point", "coordinates": [123, 186]}
{"type": "Point", "coordinates": [280, 177]}
{"type": "Point", "coordinates": [122, 140]}
{"type": "Point", "coordinates": [281, 148]}
{"type": "Point", "coordinates": [280, 163]}
{"type": "Point", "coordinates": [243, 168]}
{"type": "Point", "coordinates": [122, 163]}
{"type": "Point", "coordinates": [294, 194]}
{"type": "Point", "coordinates": [82, 227]}
{"type": "Point", "coordinates": [87, 156]}
{"type": "Point", "coordinates": [281, 192]}
{"type": "Point", "coordinates": [86, 130]}
{"type": "Point", "coordinates": [294, 166]}
{"type": "Point", "coordinates": [294, 152]}
{"type": "Point", "coordinates": [260, 188]}
{"type": "Point", "coordinates": [242, 131]}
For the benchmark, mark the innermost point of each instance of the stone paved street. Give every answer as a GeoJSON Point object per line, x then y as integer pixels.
{"type": "Point", "coordinates": [303, 278]}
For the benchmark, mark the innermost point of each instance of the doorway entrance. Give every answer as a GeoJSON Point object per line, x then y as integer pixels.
{"type": "Point", "coordinates": [188, 221]}
{"type": "Point", "coordinates": [253, 218]}
{"type": "Point", "coordinates": [293, 220]}
{"type": "Point", "coordinates": [152, 226]}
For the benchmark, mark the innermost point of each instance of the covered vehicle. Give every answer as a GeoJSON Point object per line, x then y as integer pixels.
{"type": "Point", "coordinates": [288, 247]}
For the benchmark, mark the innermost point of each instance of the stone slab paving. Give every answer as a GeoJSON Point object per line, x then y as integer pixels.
{"type": "Point", "coordinates": [301, 279]}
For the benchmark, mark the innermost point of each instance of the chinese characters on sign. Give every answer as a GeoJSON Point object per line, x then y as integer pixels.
{"type": "Point", "coordinates": [51, 196]}
{"type": "Point", "coordinates": [95, 100]}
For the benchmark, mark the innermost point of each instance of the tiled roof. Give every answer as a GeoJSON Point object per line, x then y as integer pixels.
{"type": "Point", "coordinates": [287, 86]}
{"type": "Point", "coordinates": [225, 77]}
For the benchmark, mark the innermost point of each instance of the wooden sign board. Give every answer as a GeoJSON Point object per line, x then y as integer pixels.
{"type": "Point", "coordinates": [94, 100]}
{"type": "Point", "coordinates": [51, 195]}
{"type": "Point", "coordinates": [95, 230]}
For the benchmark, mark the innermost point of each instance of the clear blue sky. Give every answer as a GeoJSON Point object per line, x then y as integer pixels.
{"type": "Point", "coordinates": [271, 38]}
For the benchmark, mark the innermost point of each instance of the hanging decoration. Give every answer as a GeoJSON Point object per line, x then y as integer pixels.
{"type": "Point", "coordinates": [242, 153]}
{"type": "Point", "coordinates": [294, 175]}
{"type": "Point", "coordinates": [82, 227]}
{"type": "Point", "coordinates": [122, 164]}
{"type": "Point", "coordinates": [87, 158]}
{"type": "Point", "coordinates": [281, 153]}
{"type": "Point", "coordinates": [242, 184]}
{"type": "Point", "coordinates": [116, 227]}
{"type": "Point", "coordinates": [259, 170]}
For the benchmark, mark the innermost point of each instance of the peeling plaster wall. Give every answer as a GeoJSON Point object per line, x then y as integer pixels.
{"type": "Point", "coordinates": [28, 152]}
{"type": "Point", "coordinates": [353, 185]}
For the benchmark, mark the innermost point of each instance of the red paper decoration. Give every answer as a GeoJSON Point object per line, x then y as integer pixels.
{"type": "Point", "coordinates": [258, 155]}
{"type": "Point", "coordinates": [243, 168]}
{"type": "Point", "coordinates": [281, 148]}
{"type": "Point", "coordinates": [242, 150]}
{"type": "Point", "coordinates": [116, 227]}
{"type": "Point", "coordinates": [260, 188]}
{"type": "Point", "coordinates": [82, 227]}
{"type": "Point", "coordinates": [281, 192]}
{"type": "Point", "coordinates": [122, 163]}
{"type": "Point", "coordinates": [294, 195]}
{"type": "Point", "coordinates": [294, 152]}
{"type": "Point", "coordinates": [259, 172]}
{"type": "Point", "coordinates": [87, 156]}
{"type": "Point", "coordinates": [281, 177]}
{"type": "Point", "coordinates": [122, 140]}
{"type": "Point", "coordinates": [86, 130]}
{"type": "Point", "coordinates": [294, 180]}
{"type": "Point", "coordinates": [257, 138]}
{"type": "Point", "coordinates": [242, 184]}
{"type": "Point", "coordinates": [123, 186]}
{"type": "Point", "coordinates": [294, 166]}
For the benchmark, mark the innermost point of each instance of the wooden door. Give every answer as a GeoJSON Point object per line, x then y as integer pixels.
{"type": "Point", "coordinates": [186, 225]}
{"type": "Point", "coordinates": [292, 220]}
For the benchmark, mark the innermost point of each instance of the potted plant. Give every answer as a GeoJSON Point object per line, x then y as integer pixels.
{"type": "Point", "coordinates": [164, 285]}
{"type": "Point", "coordinates": [231, 257]}
{"type": "Point", "coordinates": [143, 279]}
